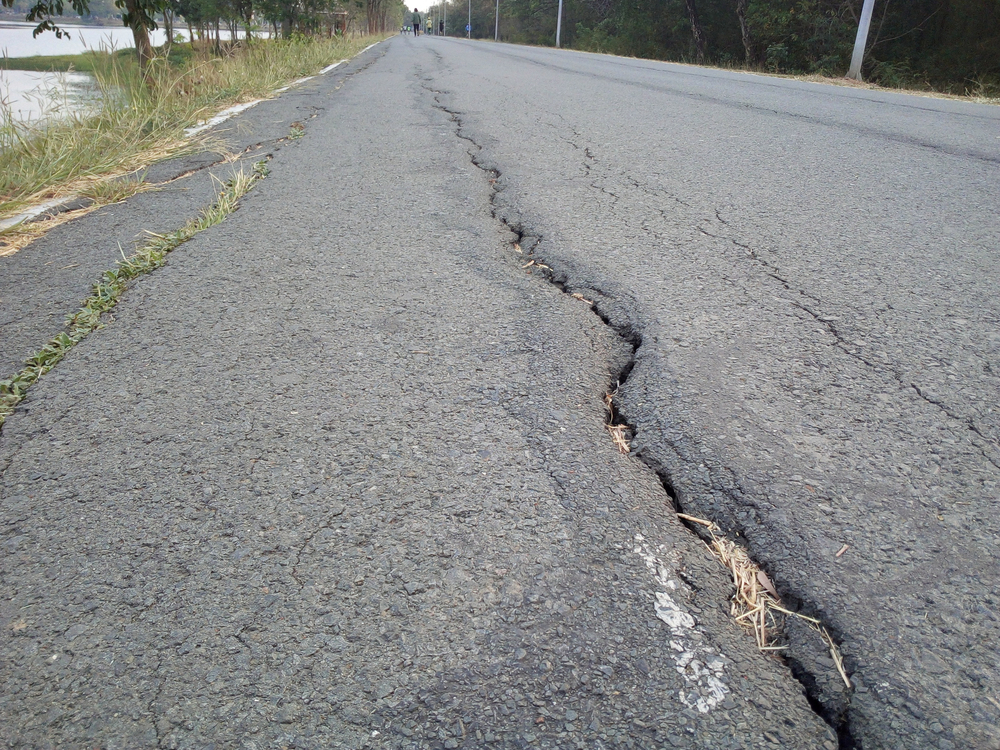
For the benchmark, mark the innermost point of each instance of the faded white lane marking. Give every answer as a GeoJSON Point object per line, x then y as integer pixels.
{"type": "Point", "coordinates": [328, 68]}
{"type": "Point", "coordinates": [31, 213]}
{"type": "Point", "coordinates": [700, 666]}
{"type": "Point", "coordinates": [221, 117]}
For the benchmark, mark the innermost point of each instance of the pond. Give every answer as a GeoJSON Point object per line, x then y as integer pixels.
{"type": "Point", "coordinates": [16, 41]}
{"type": "Point", "coordinates": [29, 95]}
{"type": "Point", "coordinates": [32, 96]}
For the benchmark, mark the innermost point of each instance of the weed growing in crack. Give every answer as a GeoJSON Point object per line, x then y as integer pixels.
{"type": "Point", "coordinates": [113, 283]}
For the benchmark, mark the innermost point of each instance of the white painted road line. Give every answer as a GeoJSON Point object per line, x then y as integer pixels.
{"type": "Point", "coordinates": [31, 213]}
{"type": "Point", "coordinates": [221, 117]}
{"type": "Point", "coordinates": [699, 665]}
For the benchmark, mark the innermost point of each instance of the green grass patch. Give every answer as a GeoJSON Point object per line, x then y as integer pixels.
{"type": "Point", "coordinates": [85, 62]}
{"type": "Point", "coordinates": [134, 121]}
{"type": "Point", "coordinates": [113, 283]}
{"type": "Point", "coordinates": [90, 61]}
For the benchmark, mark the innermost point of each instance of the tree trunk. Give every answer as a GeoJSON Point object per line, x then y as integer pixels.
{"type": "Point", "coordinates": [168, 27]}
{"type": "Point", "coordinates": [696, 31]}
{"type": "Point", "coordinates": [143, 49]}
{"type": "Point", "coordinates": [741, 14]}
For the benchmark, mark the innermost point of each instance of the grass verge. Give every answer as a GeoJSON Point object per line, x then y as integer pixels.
{"type": "Point", "coordinates": [977, 93]}
{"type": "Point", "coordinates": [113, 283]}
{"type": "Point", "coordinates": [132, 122]}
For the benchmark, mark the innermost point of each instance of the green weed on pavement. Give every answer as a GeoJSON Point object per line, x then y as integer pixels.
{"type": "Point", "coordinates": [113, 283]}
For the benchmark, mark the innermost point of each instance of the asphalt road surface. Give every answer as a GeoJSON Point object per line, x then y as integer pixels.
{"type": "Point", "coordinates": [338, 474]}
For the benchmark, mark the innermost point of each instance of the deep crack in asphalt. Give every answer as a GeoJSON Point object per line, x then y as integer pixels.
{"type": "Point", "coordinates": [833, 710]}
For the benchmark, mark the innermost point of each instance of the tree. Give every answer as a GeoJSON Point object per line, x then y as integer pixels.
{"type": "Point", "coordinates": [741, 14]}
{"type": "Point", "coordinates": [284, 14]}
{"type": "Point", "coordinates": [696, 30]}
{"type": "Point", "coordinates": [377, 16]}
{"type": "Point", "coordinates": [138, 16]}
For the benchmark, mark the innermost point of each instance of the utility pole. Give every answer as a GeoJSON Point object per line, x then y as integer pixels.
{"type": "Point", "coordinates": [446, 17]}
{"type": "Point", "coordinates": [558, 23]}
{"type": "Point", "coordinates": [468, 29]}
{"type": "Point", "coordinates": [496, 28]}
{"type": "Point", "coordinates": [860, 41]}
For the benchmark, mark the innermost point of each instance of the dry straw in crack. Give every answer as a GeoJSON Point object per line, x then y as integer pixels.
{"type": "Point", "coordinates": [618, 432]}
{"type": "Point", "coordinates": [756, 600]}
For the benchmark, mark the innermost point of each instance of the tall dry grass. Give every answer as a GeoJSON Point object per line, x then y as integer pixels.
{"type": "Point", "coordinates": [133, 121]}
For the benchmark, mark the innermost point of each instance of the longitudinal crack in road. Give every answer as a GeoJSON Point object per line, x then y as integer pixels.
{"type": "Point", "coordinates": [527, 241]}
{"type": "Point", "coordinates": [845, 345]}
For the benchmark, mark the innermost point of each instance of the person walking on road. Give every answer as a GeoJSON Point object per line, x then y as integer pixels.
{"type": "Point", "coordinates": [416, 22]}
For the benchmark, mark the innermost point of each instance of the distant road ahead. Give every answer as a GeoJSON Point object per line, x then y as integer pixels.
{"type": "Point", "coordinates": [813, 272]}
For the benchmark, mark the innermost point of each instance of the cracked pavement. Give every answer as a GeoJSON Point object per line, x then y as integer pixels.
{"type": "Point", "coordinates": [338, 474]}
{"type": "Point", "coordinates": [810, 273]}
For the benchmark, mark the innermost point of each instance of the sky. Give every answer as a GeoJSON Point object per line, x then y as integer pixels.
{"type": "Point", "coordinates": [422, 5]}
